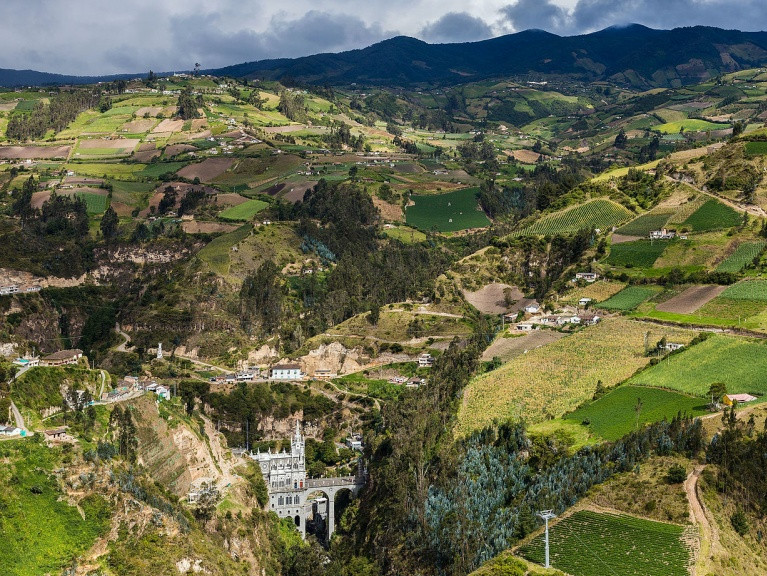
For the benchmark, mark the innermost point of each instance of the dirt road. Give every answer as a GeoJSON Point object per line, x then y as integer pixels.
{"type": "Point", "coordinates": [709, 533]}
{"type": "Point", "coordinates": [18, 417]}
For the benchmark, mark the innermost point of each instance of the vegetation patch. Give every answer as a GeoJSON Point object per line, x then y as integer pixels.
{"type": "Point", "coordinates": [756, 148]}
{"type": "Point", "coordinates": [95, 203]}
{"type": "Point", "coordinates": [243, 212]}
{"type": "Point", "coordinates": [638, 254]}
{"type": "Point", "coordinates": [216, 253]}
{"type": "Point", "coordinates": [690, 125]}
{"type": "Point", "coordinates": [624, 409]}
{"type": "Point", "coordinates": [738, 362]}
{"type": "Point", "coordinates": [713, 215]}
{"type": "Point", "coordinates": [593, 544]}
{"type": "Point", "coordinates": [447, 212]}
{"type": "Point", "coordinates": [629, 298]}
{"type": "Point", "coordinates": [645, 224]}
{"type": "Point", "coordinates": [747, 290]}
{"type": "Point", "coordinates": [742, 257]}
{"type": "Point", "coordinates": [600, 213]}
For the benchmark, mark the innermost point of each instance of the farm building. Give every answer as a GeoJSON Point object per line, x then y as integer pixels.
{"type": "Point", "coordinates": [62, 357]}
{"type": "Point", "coordinates": [525, 327]}
{"type": "Point", "coordinates": [662, 234]}
{"type": "Point", "coordinates": [56, 433]}
{"type": "Point", "coordinates": [425, 360]}
{"type": "Point", "coordinates": [587, 276]}
{"type": "Point", "coordinates": [9, 431]}
{"type": "Point", "coordinates": [533, 308]}
{"type": "Point", "coordinates": [589, 319]}
{"type": "Point", "coordinates": [673, 346]}
{"type": "Point", "coordinates": [415, 382]}
{"type": "Point", "coordinates": [325, 373]}
{"type": "Point", "coordinates": [286, 372]}
{"type": "Point", "coordinates": [730, 399]}
{"type": "Point", "coordinates": [583, 302]}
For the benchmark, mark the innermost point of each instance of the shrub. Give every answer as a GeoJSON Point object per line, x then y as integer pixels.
{"type": "Point", "coordinates": [676, 474]}
{"type": "Point", "coordinates": [739, 522]}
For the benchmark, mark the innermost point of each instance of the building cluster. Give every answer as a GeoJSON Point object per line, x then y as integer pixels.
{"type": "Point", "coordinates": [11, 289]}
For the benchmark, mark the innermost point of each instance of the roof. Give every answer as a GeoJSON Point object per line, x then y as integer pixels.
{"type": "Point", "coordinates": [64, 354]}
{"type": "Point", "coordinates": [741, 397]}
{"type": "Point", "coordinates": [56, 431]}
{"type": "Point", "coordinates": [286, 367]}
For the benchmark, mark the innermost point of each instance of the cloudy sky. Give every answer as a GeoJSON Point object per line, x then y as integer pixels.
{"type": "Point", "coordinates": [100, 37]}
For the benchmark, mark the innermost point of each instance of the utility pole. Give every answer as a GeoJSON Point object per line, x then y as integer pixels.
{"type": "Point", "coordinates": [547, 515]}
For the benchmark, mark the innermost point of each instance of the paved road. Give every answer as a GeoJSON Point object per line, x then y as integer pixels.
{"type": "Point", "coordinates": [18, 417]}
{"type": "Point", "coordinates": [121, 347]}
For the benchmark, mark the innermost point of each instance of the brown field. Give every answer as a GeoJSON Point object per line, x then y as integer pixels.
{"type": "Point", "coordinates": [32, 152]}
{"type": "Point", "coordinates": [230, 199]}
{"type": "Point", "coordinates": [199, 124]}
{"type": "Point", "coordinates": [123, 210]}
{"type": "Point", "coordinates": [526, 156]}
{"type": "Point", "coordinates": [206, 170]}
{"type": "Point", "coordinates": [168, 126]}
{"type": "Point", "coordinates": [691, 299]}
{"type": "Point", "coordinates": [620, 238]}
{"type": "Point", "coordinates": [8, 106]}
{"type": "Point", "coordinates": [146, 155]}
{"type": "Point", "coordinates": [83, 190]}
{"type": "Point", "coordinates": [388, 211]}
{"type": "Point", "coordinates": [207, 227]}
{"type": "Point", "coordinates": [490, 300]}
{"type": "Point", "coordinates": [139, 126]}
{"type": "Point", "coordinates": [508, 348]}
{"type": "Point", "coordinates": [200, 135]}
{"type": "Point", "coordinates": [83, 181]}
{"type": "Point", "coordinates": [152, 111]}
{"type": "Point", "coordinates": [119, 144]}
{"type": "Point", "coordinates": [284, 129]}
{"type": "Point", "coordinates": [296, 193]}
{"type": "Point", "coordinates": [274, 190]}
{"type": "Point", "coordinates": [39, 198]}
{"type": "Point", "coordinates": [176, 149]}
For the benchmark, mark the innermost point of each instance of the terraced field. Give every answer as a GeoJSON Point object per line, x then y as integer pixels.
{"type": "Point", "coordinates": [243, 212]}
{"type": "Point", "coordinates": [646, 223]}
{"type": "Point", "coordinates": [742, 257]}
{"type": "Point", "coordinates": [638, 254]}
{"type": "Point", "coordinates": [747, 290]}
{"type": "Point", "coordinates": [594, 544]}
{"type": "Point", "coordinates": [628, 298]}
{"type": "Point", "coordinates": [600, 213]}
{"type": "Point", "coordinates": [712, 215]}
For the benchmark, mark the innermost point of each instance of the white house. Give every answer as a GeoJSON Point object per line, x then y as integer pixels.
{"type": "Point", "coordinates": [9, 431]}
{"type": "Point", "coordinates": [662, 234]}
{"type": "Point", "coordinates": [583, 302]}
{"type": "Point", "coordinates": [286, 372]}
{"type": "Point", "coordinates": [163, 392]}
{"type": "Point", "coordinates": [672, 346]}
{"type": "Point", "coordinates": [587, 276]}
{"type": "Point", "coordinates": [425, 360]}
{"type": "Point", "coordinates": [533, 308]}
{"type": "Point", "coordinates": [525, 327]}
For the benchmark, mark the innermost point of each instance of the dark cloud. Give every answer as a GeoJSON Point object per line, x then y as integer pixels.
{"type": "Point", "coordinates": [543, 14]}
{"type": "Point", "coordinates": [456, 27]}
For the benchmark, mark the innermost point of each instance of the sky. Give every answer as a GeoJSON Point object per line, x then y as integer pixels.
{"type": "Point", "coordinates": [89, 37]}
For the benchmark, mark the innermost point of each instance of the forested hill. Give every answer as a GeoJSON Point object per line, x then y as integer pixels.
{"type": "Point", "coordinates": [634, 55]}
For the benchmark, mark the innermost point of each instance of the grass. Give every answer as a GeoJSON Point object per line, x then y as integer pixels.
{"type": "Point", "coordinates": [40, 532]}
{"type": "Point", "coordinates": [690, 125]}
{"type": "Point", "coordinates": [405, 234]}
{"type": "Point", "coordinates": [39, 388]}
{"type": "Point", "coordinates": [556, 378]}
{"type": "Point", "coordinates": [738, 362]}
{"type": "Point", "coordinates": [628, 298]}
{"type": "Point", "coordinates": [159, 168]}
{"type": "Point", "coordinates": [645, 224]}
{"type": "Point", "coordinates": [598, 213]}
{"type": "Point", "coordinates": [118, 171]}
{"type": "Point", "coordinates": [756, 148]}
{"type": "Point", "coordinates": [594, 544]}
{"type": "Point", "coordinates": [95, 203]}
{"type": "Point", "coordinates": [598, 291]}
{"type": "Point", "coordinates": [713, 215]}
{"type": "Point", "coordinates": [725, 312]}
{"type": "Point", "coordinates": [614, 415]}
{"type": "Point", "coordinates": [216, 252]}
{"type": "Point", "coordinates": [747, 290]}
{"type": "Point", "coordinates": [638, 254]}
{"type": "Point", "coordinates": [743, 256]}
{"type": "Point", "coordinates": [449, 212]}
{"type": "Point", "coordinates": [243, 212]}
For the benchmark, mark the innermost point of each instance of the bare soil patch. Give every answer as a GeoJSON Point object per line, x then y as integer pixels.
{"type": "Point", "coordinates": [274, 190]}
{"type": "Point", "coordinates": [490, 299]}
{"type": "Point", "coordinates": [83, 181]}
{"type": "Point", "coordinates": [146, 155]}
{"type": "Point", "coordinates": [388, 211]}
{"type": "Point", "coordinates": [177, 149]}
{"type": "Point", "coordinates": [284, 129]}
{"type": "Point", "coordinates": [691, 299]}
{"type": "Point", "coordinates": [116, 144]}
{"type": "Point", "coordinates": [526, 156]}
{"type": "Point", "coordinates": [206, 170]}
{"type": "Point", "coordinates": [230, 199]}
{"type": "Point", "coordinates": [122, 210]}
{"type": "Point", "coordinates": [8, 106]}
{"type": "Point", "coordinates": [207, 227]}
{"type": "Point", "coordinates": [139, 126]}
{"type": "Point", "coordinates": [33, 152]}
{"type": "Point", "coordinates": [169, 126]}
{"type": "Point", "coordinates": [83, 190]}
{"type": "Point", "coordinates": [621, 238]}
{"type": "Point", "coordinates": [200, 135]}
{"type": "Point", "coordinates": [508, 348]}
{"type": "Point", "coordinates": [152, 111]}
{"type": "Point", "coordinates": [39, 198]}
{"type": "Point", "coordinates": [199, 124]}
{"type": "Point", "coordinates": [296, 193]}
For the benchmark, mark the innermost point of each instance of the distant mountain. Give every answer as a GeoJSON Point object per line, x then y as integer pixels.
{"type": "Point", "coordinates": [633, 55]}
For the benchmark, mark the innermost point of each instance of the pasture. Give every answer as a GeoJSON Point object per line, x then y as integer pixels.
{"type": "Point", "coordinates": [614, 415]}
{"type": "Point", "coordinates": [556, 378]}
{"type": "Point", "coordinates": [638, 254]}
{"type": "Point", "coordinates": [405, 234]}
{"type": "Point", "coordinates": [598, 213]}
{"type": "Point", "coordinates": [449, 212]}
{"type": "Point", "coordinates": [743, 255]}
{"type": "Point", "coordinates": [712, 215]}
{"type": "Point", "coordinates": [95, 203]}
{"type": "Point", "coordinates": [756, 148]}
{"type": "Point", "coordinates": [628, 298]}
{"type": "Point", "coordinates": [243, 212]}
{"type": "Point", "coordinates": [738, 362]}
{"type": "Point", "coordinates": [594, 544]}
{"type": "Point", "coordinates": [216, 252]}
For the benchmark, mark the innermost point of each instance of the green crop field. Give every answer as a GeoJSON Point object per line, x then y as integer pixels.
{"type": "Point", "coordinates": [628, 298]}
{"type": "Point", "coordinates": [106, 169]}
{"type": "Point", "coordinates": [405, 234]}
{"type": "Point", "coordinates": [692, 125]}
{"type": "Point", "coordinates": [96, 203]}
{"type": "Point", "coordinates": [713, 215]}
{"type": "Point", "coordinates": [159, 168]}
{"type": "Point", "coordinates": [738, 362]}
{"type": "Point", "coordinates": [447, 212]}
{"type": "Point", "coordinates": [598, 213]}
{"type": "Point", "coordinates": [747, 290]}
{"type": "Point", "coordinates": [244, 211]}
{"type": "Point", "coordinates": [40, 532]}
{"type": "Point", "coordinates": [743, 256]}
{"type": "Point", "coordinates": [645, 224]}
{"type": "Point", "coordinates": [593, 544]}
{"type": "Point", "coordinates": [756, 148]}
{"type": "Point", "coordinates": [639, 254]}
{"type": "Point", "coordinates": [614, 414]}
